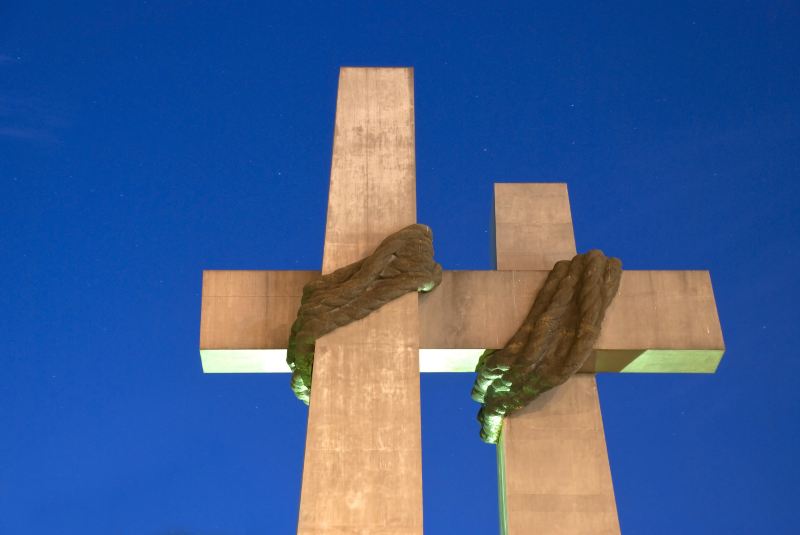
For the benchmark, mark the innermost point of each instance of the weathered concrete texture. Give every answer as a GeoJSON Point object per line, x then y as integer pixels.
{"type": "Point", "coordinates": [532, 230]}
{"type": "Point", "coordinates": [660, 321]}
{"type": "Point", "coordinates": [402, 263]}
{"type": "Point", "coordinates": [557, 476]}
{"type": "Point", "coordinates": [554, 473]}
{"type": "Point", "coordinates": [363, 462]}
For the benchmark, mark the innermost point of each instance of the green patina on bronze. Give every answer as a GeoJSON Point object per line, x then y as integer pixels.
{"type": "Point", "coordinates": [553, 342]}
{"type": "Point", "coordinates": [402, 263]}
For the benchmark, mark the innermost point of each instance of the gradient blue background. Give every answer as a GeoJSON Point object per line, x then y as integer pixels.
{"type": "Point", "coordinates": [143, 142]}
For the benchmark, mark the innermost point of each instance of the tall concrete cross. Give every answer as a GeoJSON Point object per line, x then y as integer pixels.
{"type": "Point", "coordinates": [362, 471]}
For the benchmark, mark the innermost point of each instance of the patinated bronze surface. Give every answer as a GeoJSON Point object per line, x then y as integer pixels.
{"type": "Point", "coordinates": [402, 263]}
{"type": "Point", "coordinates": [553, 342]}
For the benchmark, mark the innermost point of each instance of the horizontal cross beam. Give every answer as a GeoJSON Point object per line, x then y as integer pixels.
{"type": "Point", "coordinates": [661, 321]}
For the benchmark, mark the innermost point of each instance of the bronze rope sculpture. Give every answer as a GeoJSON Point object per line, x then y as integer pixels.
{"type": "Point", "coordinates": [553, 342]}
{"type": "Point", "coordinates": [402, 263]}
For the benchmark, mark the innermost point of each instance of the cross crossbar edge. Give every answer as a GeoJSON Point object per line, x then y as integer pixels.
{"type": "Point", "coordinates": [660, 322]}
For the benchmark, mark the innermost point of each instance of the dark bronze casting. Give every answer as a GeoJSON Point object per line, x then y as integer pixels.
{"type": "Point", "coordinates": [402, 263]}
{"type": "Point", "coordinates": [553, 342]}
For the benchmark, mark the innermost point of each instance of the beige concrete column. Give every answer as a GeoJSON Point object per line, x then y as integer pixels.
{"type": "Point", "coordinates": [553, 469]}
{"type": "Point", "coordinates": [363, 467]}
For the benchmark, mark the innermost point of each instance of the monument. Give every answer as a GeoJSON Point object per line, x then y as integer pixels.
{"type": "Point", "coordinates": [362, 469]}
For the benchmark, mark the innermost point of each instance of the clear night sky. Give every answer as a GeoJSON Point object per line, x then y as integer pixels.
{"type": "Point", "coordinates": [142, 142]}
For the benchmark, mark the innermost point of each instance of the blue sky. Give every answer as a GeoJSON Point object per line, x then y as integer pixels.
{"type": "Point", "coordinates": [141, 143]}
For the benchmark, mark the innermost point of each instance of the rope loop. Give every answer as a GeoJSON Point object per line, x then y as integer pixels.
{"type": "Point", "coordinates": [552, 344]}
{"type": "Point", "coordinates": [402, 263]}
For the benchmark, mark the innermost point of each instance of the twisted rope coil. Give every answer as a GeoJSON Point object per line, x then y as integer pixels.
{"type": "Point", "coordinates": [553, 342]}
{"type": "Point", "coordinates": [402, 263]}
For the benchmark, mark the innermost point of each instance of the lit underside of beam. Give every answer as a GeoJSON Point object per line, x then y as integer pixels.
{"type": "Point", "coordinates": [661, 321]}
{"type": "Point", "coordinates": [464, 360]}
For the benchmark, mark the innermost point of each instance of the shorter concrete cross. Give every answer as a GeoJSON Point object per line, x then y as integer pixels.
{"type": "Point", "coordinates": [553, 467]}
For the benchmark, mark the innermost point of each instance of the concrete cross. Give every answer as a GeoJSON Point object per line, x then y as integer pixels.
{"type": "Point", "coordinates": [553, 470]}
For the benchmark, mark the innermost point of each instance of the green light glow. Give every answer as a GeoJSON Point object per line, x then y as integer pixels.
{"type": "Point", "coordinates": [274, 360]}
{"type": "Point", "coordinates": [675, 361]}
{"type": "Point", "coordinates": [501, 487]}
{"type": "Point", "coordinates": [464, 360]}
